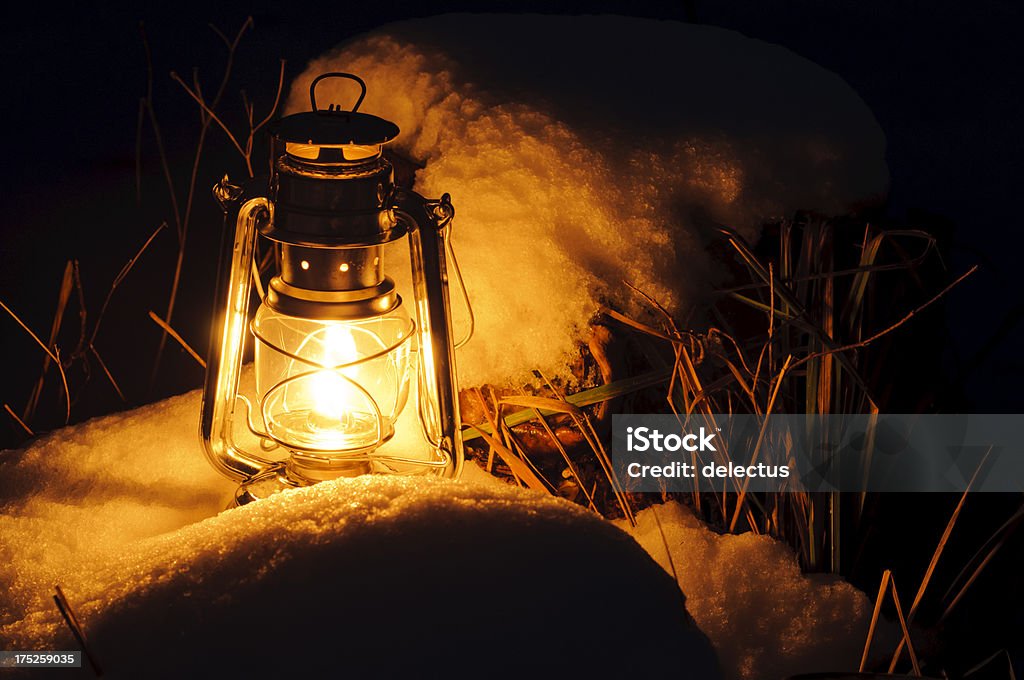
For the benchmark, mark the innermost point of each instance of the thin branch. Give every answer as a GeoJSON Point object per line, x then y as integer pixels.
{"type": "Point", "coordinates": [905, 626]}
{"type": "Point", "coordinates": [154, 125]}
{"type": "Point", "coordinates": [886, 331]}
{"type": "Point", "coordinates": [54, 355]}
{"type": "Point", "coordinates": [120, 277]}
{"type": "Point", "coordinates": [76, 628]}
{"type": "Point", "coordinates": [19, 421]}
{"type": "Point", "coordinates": [106, 371]}
{"type": "Point", "coordinates": [277, 99]}
{"type": "Point", "coordinates": [204, 128]}
{"type": "Point", "coordinates": [874, 619]}
{"type": "Point", "coordinates": [66, 284]}
{"type": "Point", "coordinates": [760, 440]}
{"type": "Point", "coordinates": [174, 334]}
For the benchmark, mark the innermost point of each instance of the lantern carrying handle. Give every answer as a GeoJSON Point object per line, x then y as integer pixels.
{"type": "Point", "coordinates": [242, 213]}
{"type": "Point", "coordinates": [336, 74]}
{"type": "Point", "coordinates": [427, 221]}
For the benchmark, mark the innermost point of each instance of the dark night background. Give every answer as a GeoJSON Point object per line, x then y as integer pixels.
{"type": "Point", "coordinates": [941, 77]}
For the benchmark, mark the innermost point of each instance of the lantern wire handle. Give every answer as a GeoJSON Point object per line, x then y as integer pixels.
{"type": "Point", "coordinates": [337, 74]}
{"type": "Point", "coordinates": [262, 435]}
{"type": "Point", "coordinates": [437, 397]}
{"type": "Point", "coordinates": [449, 222]}
{"type": "Point", "coordinates": [224, 360]}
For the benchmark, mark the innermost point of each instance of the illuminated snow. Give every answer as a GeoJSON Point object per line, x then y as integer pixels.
{"type": "Point", "coordinates": [584, 151]}
{"type": "Point", "coordinates": [746, 592]}
{"type": "Point", "coordinates": [122, 511]}
{"type": "Point", "coordinates": [376, 576]}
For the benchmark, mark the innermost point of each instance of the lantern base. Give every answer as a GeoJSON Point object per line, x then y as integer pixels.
{"type": "Point", "coordinates": [289, 475]}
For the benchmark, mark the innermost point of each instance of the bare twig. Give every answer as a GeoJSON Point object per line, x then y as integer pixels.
{"type": "Point", "coordinates": [106, 372]}
{"type": "Point", "coordinates": [889, 329]}
{"type": "Point", "coordinates": [874, 619]}
{"type": "Point", "coordinates": [119, 278]}
{"type": "Point", "coordinates": [54, 355]}
{"type": "Point", "coordinates": [64, 607]}
{"type": "Point", "coordinates": [183, 224]}
{"type": "Point", "coordinates": [926, 579]}
{"type": "Point", "coordinates": [760, 441]}
{"type": "Point", "coordinates": [67, 282]}
{"type": "Point", "coordinates": [174, 334]}
{"type": "Point", "coordinates": [19, 421]}
{"type": "Point", "coordinates": [905, 626]}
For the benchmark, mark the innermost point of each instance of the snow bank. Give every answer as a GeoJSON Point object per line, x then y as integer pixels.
{"type": "Point", "coordinates": [378, 576]}
{"type": "Point", "coordinates": [765, 618]}
{"type": "Point", "coordinates": [122, 512]}
{"type": "Point", "coordinates": [584, 151]}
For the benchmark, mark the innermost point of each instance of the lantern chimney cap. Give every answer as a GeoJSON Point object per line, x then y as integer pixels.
{"type": "Point", "coordinates": [334, 125]}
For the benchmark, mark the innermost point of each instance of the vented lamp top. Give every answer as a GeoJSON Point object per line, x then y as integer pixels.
{"type": "Point", "coordinates": [334, 135]}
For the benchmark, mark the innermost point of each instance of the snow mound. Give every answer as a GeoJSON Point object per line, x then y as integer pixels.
{"type": "Point", "coordinates": [765, 618]}
{"type": "Point", "coordinates": [378, 576]}
{"type": "Point", "coordinates": [582, 152]}
{"type": "Point", "coordinates": [389, 577]}
{"type": "Point", "coordinates": [122, 512]}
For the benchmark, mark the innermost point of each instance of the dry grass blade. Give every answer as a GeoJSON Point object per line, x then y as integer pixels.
{"type": "Point", "coordinates": [938, 553]}
{"type": "Point", "coordinates": [64, 607]}
{"type": "Point", "coordinates": [906, 631]}
{"type": "Point", "coordinates": [19, 421]}
{"type": "Point", "coordinates": [636, 325]}
{"type": "Point", "coordinates": [273, 109]}
{"type": "Point", "coordinates": [174, 334]}
{"type": "Point", "coordinates": [865, 267]}
{"type": "Point", "coordinates": [586, 398]}
{"type": "Point", "coordinates": [590, 435]}
{"type": "Point", "coordinates": [106, 372]}
{"type": "Point", "coordinates": [891, 328]}
{"type": "Point", "coordinates": [182, 223]}
{"type": "Point", "coordinates": [1002, 653]}
{"type": "Point", "coordinates": [54, 355]}
{"type": "Point", "coordinates": [518, 467]}
{"type": "Point", "coordinates": [760, 440]}
{"type": "Point", "coordinates": [521, 452]}
{"type": "Point", "coordinates": [874, 619]}
{"type": "Point", "coordinates": [992, 546]}
{"type": "Point", "coordinates": [66, 285]}
{"type": "Point", "coordinates": [493, 425]}
{"type": "Point", "coordinates": [792, 310]}
{"type": "Point", "coordinates": [568, 461]}
{"type": "Point", "coordinates": [550, 405]}
{"type": "Point", "coordinates": [208, 112]}
{"type": "Point", "coordinates": [664, 543]}
{"type": "Point", "coordinates": [128, 266]}
{"type": "Point", "coordinates": [973, 577]}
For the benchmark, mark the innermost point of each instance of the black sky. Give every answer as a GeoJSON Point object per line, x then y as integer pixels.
{"type": "Point", "coordinates": [943, 79]}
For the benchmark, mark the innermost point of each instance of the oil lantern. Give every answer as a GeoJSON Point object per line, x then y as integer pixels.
{"type": "Point", "coordinates": [340, 357]}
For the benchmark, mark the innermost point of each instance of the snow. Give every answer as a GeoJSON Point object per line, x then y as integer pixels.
{"type": "Point", "coordinates": [377, 575]}
{"type": "Point", "coordinates": [584, 151]}
{"type": "Point", "coordinates": [125, 514]}
{"type": "Point", "coordinates": [746, 592]}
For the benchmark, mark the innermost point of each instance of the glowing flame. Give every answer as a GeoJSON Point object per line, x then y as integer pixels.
{"type": "Point", "coordinates": [333, 394]}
